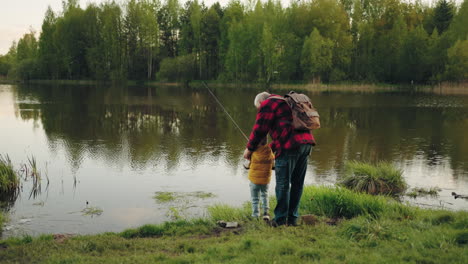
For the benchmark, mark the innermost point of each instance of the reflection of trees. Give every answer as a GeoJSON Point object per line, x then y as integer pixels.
{"type": "Point", "coordinates": [151, 124]}
{"type": "Point", "coordinates": [165, 125]}
{"type": "Point", "coordinates": [379, 129]}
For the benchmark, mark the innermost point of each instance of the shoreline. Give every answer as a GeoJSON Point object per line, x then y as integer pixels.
{"type": "Point", "coordinates": [442, 88]}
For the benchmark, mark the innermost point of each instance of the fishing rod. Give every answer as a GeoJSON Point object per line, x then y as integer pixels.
{"type": "Point", "coordinates": [220, 104]}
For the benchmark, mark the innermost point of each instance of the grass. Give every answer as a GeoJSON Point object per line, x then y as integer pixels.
{"type": "Point", "coordinates": [9, 179]}
{"type": "Point", "coordinates": [380, 232]}
{"type": "Point", "coordinates": [92, 211]}
{"type": "Point", "coordinates": [228, 213]}
{"type": "Point", "coordinates": [164, 197]}
{"type": "Point", "coordinates": [381, 178]}
{"type": "Point", "coordinates": [339, 202]}
{"type": "Point", "coordinates": [418, 191]}
{"type": "Point", "coordinates": [2, 220]}
{"type": "Point", "coordinates": [9, 183]}
{"type": "Point", "coordinates": [202, 195]}
{"type": "Point", "coordinates": [175, 228]}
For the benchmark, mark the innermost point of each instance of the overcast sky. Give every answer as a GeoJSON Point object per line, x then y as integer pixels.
{"type": "Point", "coordinates": [18, 16]}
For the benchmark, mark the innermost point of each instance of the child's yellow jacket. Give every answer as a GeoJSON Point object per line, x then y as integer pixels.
{"type": "Point", "coordinates": [261, 163]}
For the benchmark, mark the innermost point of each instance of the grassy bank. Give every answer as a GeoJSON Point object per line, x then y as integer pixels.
{"type": "Point", "coordinates": [366, 229]}
{"type": "Point", "coordinates": [352, 87]}
{"type": "Point", "coordinates": [307, 87]}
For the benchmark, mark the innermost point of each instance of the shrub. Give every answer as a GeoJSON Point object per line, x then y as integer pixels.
{"type": "Point", "coordinates": [382, 178]}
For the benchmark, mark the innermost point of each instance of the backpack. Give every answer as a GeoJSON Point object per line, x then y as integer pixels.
{"type": "Point", "coordinates": [305, 116]}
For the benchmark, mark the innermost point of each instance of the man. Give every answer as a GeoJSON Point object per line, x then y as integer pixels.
{"type": "Point", "coordinates": [291, 148]}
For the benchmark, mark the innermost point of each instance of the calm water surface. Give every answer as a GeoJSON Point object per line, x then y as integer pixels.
{"type": "Point", "coordinates": [114, 148]}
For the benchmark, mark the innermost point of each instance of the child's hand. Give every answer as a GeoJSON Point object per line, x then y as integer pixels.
{"type": "Point", "coordinates": [247, 154]}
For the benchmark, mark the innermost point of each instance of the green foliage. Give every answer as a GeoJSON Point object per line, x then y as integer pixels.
{"type": "Point", "coordinates": [316, 59]}
{"type": "Point", "coordinates": [15, 241]}
{"type": "Point", "coordinates": [462, 238]}
{"type": "Point", "coordinates": [443, 14]}
{"type": "Point", "coordinates": [337, 202]}
{"type": "Point", "coordinates": [270, 53]}
{"type": "Point", "coordinates": [443, 219]}
{"type": "Point", "coordinates": [457, 66]}
{"type": "Point", "coordinates": [181, 68]}
{"type": "Point", "coordinates": [229, 213]}
{"type": "Point", "coordinates": [458, 29]}
{"type": "Point", "coordinates": [414, 58]}
{"type": "Point", "coordinates": [176, 228]}
{"type": "Point", "coordinates": [364, 228]}
{"type": "Point", "coordinates": [382, 178]}
{"type": "Point", "coordinates": [211, 34]}
{"type": "Point", "coordinates": [165, 196]}
{"type": "Point", "coordinates": [416, 192]}
{"type": "Point", "coordinates": [383, 41]}
{"type": "Point", "coordinates": [202, 195]}
{"type": "Point", "coordinates": [92, 211]}
{"type": "Point", "coordinates": [9, 179]}
{"type": "Point", "coordinates": [23, 58]}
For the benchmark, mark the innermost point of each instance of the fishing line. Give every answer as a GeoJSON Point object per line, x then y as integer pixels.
{"type": "Point", "coordinates": [232, 119]}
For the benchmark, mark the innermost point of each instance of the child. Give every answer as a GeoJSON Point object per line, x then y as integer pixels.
{"type": "Point", "coordinates": [261, 163]}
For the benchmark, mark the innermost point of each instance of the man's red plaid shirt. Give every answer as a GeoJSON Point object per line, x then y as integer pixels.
{"type": "Point", "coordinates": [275, 116]}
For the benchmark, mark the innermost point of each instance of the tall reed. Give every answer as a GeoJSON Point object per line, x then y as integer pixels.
{"type": "Point", "coordinates": [35, 175]}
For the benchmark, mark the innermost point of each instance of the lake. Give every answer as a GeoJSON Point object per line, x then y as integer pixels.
{"type": "Point", "coordinates": [105, 152]}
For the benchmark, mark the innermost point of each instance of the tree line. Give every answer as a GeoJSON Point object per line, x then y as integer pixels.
{"type": "Point", "coordinates": [389, 41]}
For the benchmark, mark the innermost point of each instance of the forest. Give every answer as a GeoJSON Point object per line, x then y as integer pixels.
{"type": "Point", "coordinates": [374, 41]}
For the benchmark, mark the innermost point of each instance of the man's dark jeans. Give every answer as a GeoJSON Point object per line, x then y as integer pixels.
{"type": "Point", "coordinates": [290, 170]}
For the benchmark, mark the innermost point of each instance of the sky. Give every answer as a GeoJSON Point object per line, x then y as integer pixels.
{"type": "Point", "coordinates": [18, 16]}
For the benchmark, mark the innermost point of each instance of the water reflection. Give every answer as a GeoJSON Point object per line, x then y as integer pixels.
{"type": "Point", "coordinates": [148, 123]}
{"type": "Point", "coordinates": [107, 143]}
{"type": "Point", "coordinates": [170, 124]}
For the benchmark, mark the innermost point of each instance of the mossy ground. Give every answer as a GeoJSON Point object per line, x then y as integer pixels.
{"type": "Point", "coordinates": [384, 232]}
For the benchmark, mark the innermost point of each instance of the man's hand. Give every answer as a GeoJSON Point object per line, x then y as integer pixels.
{"type": "Point", "coordinates": [247, 154]}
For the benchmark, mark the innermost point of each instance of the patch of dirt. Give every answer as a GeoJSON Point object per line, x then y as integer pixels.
{"type": "Point", "coordinates": [309, 219]}
{"type": "Point", "coordinates": [60, 238]}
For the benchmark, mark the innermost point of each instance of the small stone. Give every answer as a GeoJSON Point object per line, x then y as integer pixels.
{"type": "Point", "coordinates": [232, 224]}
